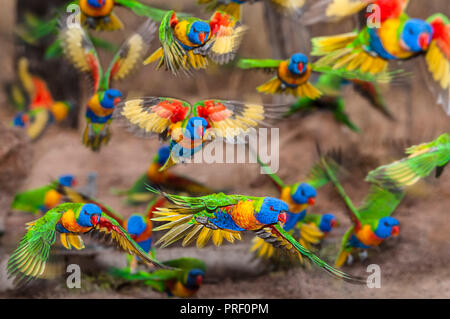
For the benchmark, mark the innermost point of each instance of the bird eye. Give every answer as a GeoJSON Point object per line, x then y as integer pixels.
{"type": "Point", "coordinates": [386, 224]}
{"type": "Point", "coordinates": [271, 208]}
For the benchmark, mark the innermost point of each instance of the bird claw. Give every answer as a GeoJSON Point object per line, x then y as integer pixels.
{"type": "Point", "coordinates": [91, 134]}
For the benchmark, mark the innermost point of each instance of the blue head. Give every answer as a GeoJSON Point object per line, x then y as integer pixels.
{"type": "Point", "coordinates": [136, 225]}
{"type": "Point", "coordinates": [327, 223]}
{"type": "Point", "coordinates": [67, 180]}
{"type": "Point", "coordinates": [89, 215]}
{"type": "Point", "coordinates": [387, 226]}
{"type": "Point", "coordinates": [163, 154]}
{"type": "Point", "coordinates": [416, 35]}
{"type": "Point", "coordinates": [20, 120]}
{"type": "Point", "coordinates": [272, 211]}
{"type": "Point", "coordinates": [304, 194]}
{"type": "Point", "coordinates": [297, 63]}
{"type": "Point", "coordinates": [96, 3]}
{"type": "Point", "coordinates": [110, 98]}
{"type": "Point", "coordinates": [196, 127]}
{"type": "Point", "coordinates": [194, 279]}
{"type": "Point", "coordinates": [199, 32]}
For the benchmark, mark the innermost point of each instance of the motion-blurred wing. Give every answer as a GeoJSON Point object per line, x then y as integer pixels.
{"type": "Point", "coordinates": [318, 175]}
{"type": "Point", "coordinates": [226, 38]}
{"type": "Point", "coordinates": [380, 202]}
{"type": "Point", "coordinates": [438, 58]}
{"type": "Point", "coordinates": [332, 10]}
{"type": "Point", "coordinates": [423, 160]}
{"type": "Point", "coordinates": [142, 9]}
{"type": "Point", "coordinates": [40, 119]}
{"type": "Point", "coordinates": [132, 53]}
{"type": "Point", "coordinates": [266, 64]}
{"type": "Point", "coordinates": [153, 114]}
{"type": "Point", "coordinates": [80, 52]}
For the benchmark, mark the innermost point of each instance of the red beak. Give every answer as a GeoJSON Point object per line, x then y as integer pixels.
{"type": "Point", "coordinates": [94, 220]}
{"type": "Point", "coordinates": [334, 223]}
{"type": "Point", "coordinates": [300, 67]}
{"type": "Point", "coordinates": [395, 231]}
{"type": "Point", "coordinates": [282, 217]}
{"type": "Point", "coordinates": [201, 37]}
{"type": "Point", "coordinates": [424, 40]}
{"type": "Point", "coordinates": [311, 201]}
{"type": "Point", "coordinates": [199, 280]}
{"type": "Point", "coordinates": [117, 100]}
{"type": "Point", "coordinates": [74, 182]}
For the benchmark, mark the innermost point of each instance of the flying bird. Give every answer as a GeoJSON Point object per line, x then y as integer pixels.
{"type": "Point", "coordinates": [81, 53]}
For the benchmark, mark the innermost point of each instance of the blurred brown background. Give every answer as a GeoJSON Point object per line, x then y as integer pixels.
{"type": "Point", "coordinates": [414, 266]}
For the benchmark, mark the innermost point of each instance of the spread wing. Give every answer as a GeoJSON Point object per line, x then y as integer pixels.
{"type": "Point", "coordinates": [229, 119]}
{"type": "Point", "coordinates": [110, 226]}
{"type": "Point", "coordinates": [131, 54]}
{"type": "Point", "coordinates": [265, 64]}
{"type": "Point", "coordinates": [332, 10]}
{"type": "Point", "coordinates": [153, 115]}
{"type": "Point", "coordinates": [40, 119]}
{"type": "Point", "coordinates": [80, 52]}
{"type": "Point", "coordinates": [423, 160]}
{"type": "Point", "coordinates": [278, 234]}
{"type": "Point", "coordinates": [438, 59]}
{"type": "Point", "coordinates": [28, 260]}
{"type": "Point", "coordinates": [380, 202]}
{"type": "Point", "coordinates": [226, 38]}
{"type": "Point", "coordinates": [356, 74]}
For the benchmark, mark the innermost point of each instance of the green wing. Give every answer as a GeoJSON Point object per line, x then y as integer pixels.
{"type": "Point", "coordinates": [155, 279]}
{"type": "Point", "coordinates": [30, 201]}
{"type": "Point", "coordinates": [380, 202]}
{"type": "Point", "coordinates": [342, 256]}
{"type": "Point", "coordinates": [186, 263]}
{"type": "Point", "coordinates": [142, 9]}
{"type": "Point", "coordinates": [29, 259]}
{"type": "Point", "coordinates": [318, 176]}
{"type": "Point", "coordinates": [383, 77]}
{"type": "Point", "coordinates": [280, 232]}
{"type": "Point", "coordinates": [423, 160]}
{"type": "Point", "coordinates": [258, 64]}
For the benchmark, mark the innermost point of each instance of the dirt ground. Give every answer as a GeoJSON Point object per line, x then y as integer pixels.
{"type": "Point", "coordinates": [415, 265]}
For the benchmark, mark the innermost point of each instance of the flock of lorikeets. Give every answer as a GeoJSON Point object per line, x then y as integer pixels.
{"type": "Point", "coordinates": [185, 209]}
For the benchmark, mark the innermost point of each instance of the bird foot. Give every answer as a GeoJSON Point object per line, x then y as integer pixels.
{"type": "Point", "coordinates": [350, 260]}
{"type": "Point", "coordinates": [91, 23]}
{"type": "Point", "coordinates": [363, 255]}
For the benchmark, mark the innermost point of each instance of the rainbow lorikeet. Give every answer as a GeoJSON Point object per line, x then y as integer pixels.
{"type": "Point", "coordinates": [332, 100]}
{"type": "Point", "coordinates": [99, 14]}
{"type": "Point", "coordinates": [293, 75]}
{"type": "Point", "coordinates": [184, 281]}
{"type": "Point", "coordinates": [190, 127]}
{"type": "Point", "coordinates": [233, 7]}
{"type": "Point", "coordinates": [422, 160]}
{"type": "Point", "coordinates": [188, 43]}
{"type": "Point", "coordinates": [399, 37]}
{"type": "Point", "coordinates": [305, 228]}
{"type": "Point", "coordinates": [372, 221]}
{"type": "Point", "coordinates": [32, 97]}
{"type": "Point", "coordinates": [40, 200]}
{"type": "Point", "coordinates": [70, 220]}
{"type": "Point", "coordinates": [80, 51]}
{"type": "Point", "coordinates": [220, 216]}
{"type": "Point", "coordinates": [138, 226]}
{"type": "Point", "coordinates": [138, 192]}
